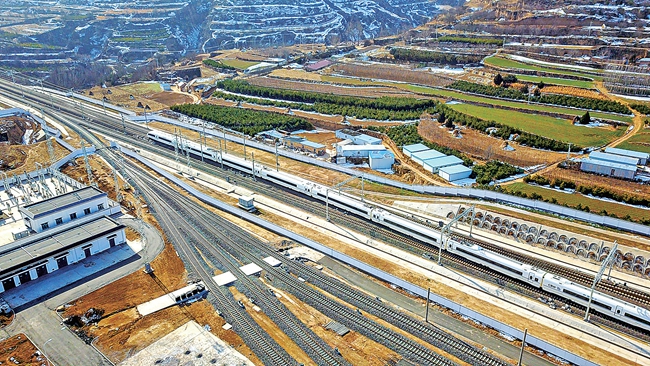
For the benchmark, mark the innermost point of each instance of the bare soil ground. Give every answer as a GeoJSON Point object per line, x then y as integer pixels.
{"type": "Point", "coordinates": [171, 98]}
{"type": "Point", "coordinates": [355, 348]}
{"type": "Point", "coordinates": [18, 350]}
{"type": "Point", "coordinates": [19, 158]}
{"type": "Point", "coordinates": [325, 138]}
{"type": "Point", "coordinates": [6, 319]}
{"type": "Point", "coordinates": [150, 94]}
{"type": "Point", "coordinates": [485, 148]}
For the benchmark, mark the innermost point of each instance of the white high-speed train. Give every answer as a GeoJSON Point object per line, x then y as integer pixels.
{"type": "Point", "coordinates": [605, 304]}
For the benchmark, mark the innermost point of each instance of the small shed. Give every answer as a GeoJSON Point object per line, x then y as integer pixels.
{"type": "Point", "coordinates": [247, 203]}
{"type": "Point", "coordinates": [434, 165]}
{"type": "Point", "coordinates": [421, 156]}
{"type": "Point", "coordinates": [381, 160]}
{"type": "Point", "coordinates": [409, 150]}
{"type": "Point", "coordinates": [643, 157]}
{"type": "Point", "coordinates": [454, 172]}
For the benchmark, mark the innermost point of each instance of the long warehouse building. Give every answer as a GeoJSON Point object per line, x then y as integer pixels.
{"type": "Point", "coordinates": [37, 255]}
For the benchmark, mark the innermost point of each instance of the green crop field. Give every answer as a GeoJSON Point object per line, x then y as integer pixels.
{"type": "Point", "coordinates": [575, 199]}
{"type": "Point", "coordinates": [639, 142]}
{"type": "Point", "coordinates": [557, 81]}
{"type": "Point", "coordinates": [240, 64]}
{"type": "Point", "coordinates": [507, 103]}
{"type": "Point", "coordinates": [554, 128]}
{"type": "Point", "coordinates": [512, 64]}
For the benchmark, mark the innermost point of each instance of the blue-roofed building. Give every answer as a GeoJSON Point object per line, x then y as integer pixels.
{"type": "Point", "coordinates": [421, 156]}
{"type": "Point", "coordinates": [409, 150]}
{"type": "Point", "coordinates": [434, 165]}
{"type": "Point", "coordinates": [608, 168]}
{"type": "Point", "coordinates": [612, 158]}
{"type": "Point", "coordinates": [381, 160]}
{"type": "Point", "coordinates": [357, 138]}
{"type": "Point", "coordinates": [454, 172]}
{"type": "Point", "coordinates": [643, 157]}
{"type": "Point", "coordinates": [358, 151]}
{"type": "Point", "coordinates": [165, 87]}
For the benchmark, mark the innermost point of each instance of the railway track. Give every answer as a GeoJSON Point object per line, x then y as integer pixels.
{"type": "Point", "coordinates": [253, 335]}
{"type": "Point", "coordinates": [236, 241]}
{"type": "Point", "coordinates": [210, 246]}
{"type": "Point", "coordinates": [110, 128]}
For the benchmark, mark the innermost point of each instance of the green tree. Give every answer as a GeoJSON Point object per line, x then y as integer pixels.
{"type": "Point", "coordinates": [498, 80]}
{"type": "Point", "coordinates": [585, 119]}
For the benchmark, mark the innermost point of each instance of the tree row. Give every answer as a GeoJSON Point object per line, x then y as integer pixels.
{"type": "Point", "coordinates": [247, 121]}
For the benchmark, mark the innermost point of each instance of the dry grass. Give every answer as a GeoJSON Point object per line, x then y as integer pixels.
{"type": "Point", "coordinates": [486, 148]}
{"type": "Point", "coordinates": [18, 350]}
{"type": "Point", "coordinates": [613, 184]}
{"type": "Point", "coordinates": [569, 90]}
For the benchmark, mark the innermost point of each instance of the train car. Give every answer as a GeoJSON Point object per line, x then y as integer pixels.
{"type": "Point", "coordinates": [184, 145]}
{"type": "Point", "coordinates": [405, 227]}
{"type": "Point", "coordinates": [499, 263]}
{"type": "Point", "coordinates": [606, 304]}
{"type": "Point", "coordinates": [236, 163]}
{"type": "Point", "coordinates": [286, 180]}
{"type": "Point", "coordinates": [341, 201]}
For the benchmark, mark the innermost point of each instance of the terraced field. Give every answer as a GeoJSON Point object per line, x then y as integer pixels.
{"type": "Point", "coordinates": [575, 199]}
{"type": "Point", "coordinates": [639, 142]}
{"type": "Point", "coordinates": [512, 64]}
{"type": "Point", "coordinates": [497, 102]}
{"type": "Point", "coordinates": [556, 81]}
{"type": "Point", "coordinates": [239, 64]}
{"type": "Point", "coordinates": [557, 129]}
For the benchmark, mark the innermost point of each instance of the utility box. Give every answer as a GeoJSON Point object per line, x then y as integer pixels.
{"type": "Point", "coordinates": [247, 203]}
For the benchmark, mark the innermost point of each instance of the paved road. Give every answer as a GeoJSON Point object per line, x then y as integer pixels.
{"type": "Point", "coordinates": [441, 320]}
{"type": "Point", "coordinates": [41, 323]}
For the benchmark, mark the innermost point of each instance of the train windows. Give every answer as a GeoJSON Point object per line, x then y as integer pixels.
{"type": "Point", "coordinates": [283, 181]}
{"type": "Point", "coordinates": [638, 319]}
{"type": "Point", "coordinates": [520, 273]}
{"type": "Point", "coordinates": [586, 299]}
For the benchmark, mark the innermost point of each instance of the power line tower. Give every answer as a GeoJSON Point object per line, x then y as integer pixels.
{"type": "Point", "coordinates": [50, 148]}
{"type": "Point", "coordinates": [176, 142]}
{"type": "Point", "coordinates": [89, 171]}
{"type": "Point", "coordinates": [608, 262]}
{"type": "Point", "coordinates": [118, 194]}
